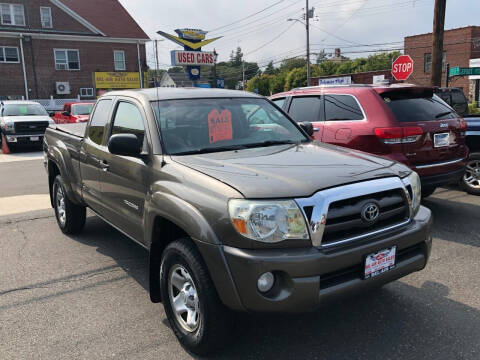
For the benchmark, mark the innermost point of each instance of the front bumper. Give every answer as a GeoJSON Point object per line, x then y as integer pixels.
{"type": "Point", "coordinates": [24, 139]}
{"type": "Point", "coordinates": [309, 277]}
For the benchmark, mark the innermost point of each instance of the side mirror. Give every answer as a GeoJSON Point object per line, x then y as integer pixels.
{"type": "Point", "coordinates": [125, 145]}
{"type": "Point", "coordinates": [66, 113]}
{"type": "Point", "coordinates": [307, 127]}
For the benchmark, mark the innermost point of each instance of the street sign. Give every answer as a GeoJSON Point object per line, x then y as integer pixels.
{"type": "Point", "coordinates": [461, 71]}
{"type": "Point", "coordinates": [402, 67]}
{"type": "Point", "coordinates": [196, 58]}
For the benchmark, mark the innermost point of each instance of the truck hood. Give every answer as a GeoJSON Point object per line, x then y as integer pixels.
{"type": "Point", "coordinates": [14, 119]}
{"type": "Point", "coordinates": [289, 170]}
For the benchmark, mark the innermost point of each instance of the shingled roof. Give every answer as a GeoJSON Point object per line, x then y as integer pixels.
{"type": "Point", "coordinates": [109, 16]}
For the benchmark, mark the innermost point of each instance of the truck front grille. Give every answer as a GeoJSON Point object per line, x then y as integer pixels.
{"type": "Point", "coordinates": [30, 127]}
{"type": "Point", "coordinates": [347, 213]}
{"type": "Point", "coordinates": [344, 219]}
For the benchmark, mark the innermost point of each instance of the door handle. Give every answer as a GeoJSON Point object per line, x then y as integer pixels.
{"type": "Point", "coordinates": [316, 129]}
{"type": "Point", "coordinates": [103, 165]}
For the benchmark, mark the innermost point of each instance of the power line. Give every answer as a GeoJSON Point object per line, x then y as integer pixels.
{"type": "Point", "coordinates": [271, 41]}
{"type": "Point", "coordinates": [247, 17]}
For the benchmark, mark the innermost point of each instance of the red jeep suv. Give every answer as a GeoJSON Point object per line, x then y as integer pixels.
{"type": "Point", "coordinates": [406, 123]}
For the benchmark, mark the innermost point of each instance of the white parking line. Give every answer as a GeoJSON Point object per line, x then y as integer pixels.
{"type": "Point", "coordinates": [23, 203]}
{"type": "Point", "coordinates": [5, 158]}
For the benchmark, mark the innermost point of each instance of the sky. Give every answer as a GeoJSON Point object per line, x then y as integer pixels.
{"type": "Point", "coordinates": [261, 29]}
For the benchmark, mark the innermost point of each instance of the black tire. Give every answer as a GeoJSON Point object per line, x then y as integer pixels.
{"type": "Point", "coordinates": [475, 160]}
{"type": "Point", "coordinates": [427, 191]}
{"type": "Point", "coordinates": [214, 323]}
{"type": "Point", "coordinates": [72, 219]}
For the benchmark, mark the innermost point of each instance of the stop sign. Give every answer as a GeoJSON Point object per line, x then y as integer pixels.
{"type": "Point", "coordinates": [402, 67]}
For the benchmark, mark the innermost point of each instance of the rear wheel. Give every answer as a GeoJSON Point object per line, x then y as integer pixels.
{"type": "Point", "coordinates": [70, 217]}
{"type": "Point", "coordinates": [197, 316]}
{"type": "Point", "coordinates": [471, 179]}
{"type": "Point", "coordinates": [427, 191]}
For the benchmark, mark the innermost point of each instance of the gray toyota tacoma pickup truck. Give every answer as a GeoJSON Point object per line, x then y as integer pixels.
{"type": "Point", "coordinates": [238, 207]}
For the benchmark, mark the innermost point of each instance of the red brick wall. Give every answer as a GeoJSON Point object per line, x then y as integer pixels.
{"type": "Point", "coordinates": [94, 56]}
{"type": "Point", "coordinates": [60, 19]}
{"type": "Point", "coordinates": [458, 47]}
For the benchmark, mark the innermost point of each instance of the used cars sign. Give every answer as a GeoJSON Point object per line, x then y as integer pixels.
{"type": "Point", "coordinates": [184, 58]}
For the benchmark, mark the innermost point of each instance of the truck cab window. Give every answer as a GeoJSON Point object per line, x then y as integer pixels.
{"type": "Point", "coordinates": [128, 120]}
{"type": "Point", "coordinates": [99, 119]}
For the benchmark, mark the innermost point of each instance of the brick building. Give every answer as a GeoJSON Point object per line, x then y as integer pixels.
{"type": "Point", "coordinates": [55, 47]}
{"type": "Point", "coordinates": [367, 77]}
{"type": "Point", "coordinates": [459, 45]}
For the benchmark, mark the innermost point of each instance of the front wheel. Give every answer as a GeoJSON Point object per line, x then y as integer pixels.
{"type": "Point", "coordinates": [70, 217]}
{"type": "Point", "coordinates": [195, 313]}
{"type": "Point", "coordinates": [471, 179]}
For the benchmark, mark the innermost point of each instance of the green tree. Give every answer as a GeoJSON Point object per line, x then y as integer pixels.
{"type": "Point", "coordinates": [236, 57]}
{"type": "Point", "coordinates": [277, 83]}
{"type": "Point", "coordinates": [176, 69]}
{"type": "Point", "coordinates": [292, 63]}
{"type": "Point", "coordinates": [270, 69]}
{"type": "Point", "coordinates": [327, 68]}
{"type": "Point", "coordinates": [296, 78]}
{"type": "Point", "coordinates": [260, 83]}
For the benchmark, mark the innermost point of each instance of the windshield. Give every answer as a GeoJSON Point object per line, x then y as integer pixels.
{"type": "Point", "coordinates": [409, 107]}
{"type": "Point", "coordinates": [23, 110]}
{"type": "Point", "coordinates": [82, 109]}
{"type": "Point", "coordinates": [221, 124]}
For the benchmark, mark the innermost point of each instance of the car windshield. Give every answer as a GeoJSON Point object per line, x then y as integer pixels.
{"type": "Point", "coordinates": [411, 107]}
{"type": "Point", "coordinates": [82, 109]}
{"type": "Point", "coordinates": [23, 110]}
{"type": "Point", "coordinates": [222, 124]}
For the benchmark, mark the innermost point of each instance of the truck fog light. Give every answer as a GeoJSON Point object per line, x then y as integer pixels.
{"type": "Point", "coordinates": [11, 139]}
{"type": "Point", "coordinates": [265, 282]}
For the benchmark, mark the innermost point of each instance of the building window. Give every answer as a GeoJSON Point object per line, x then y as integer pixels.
{"type": "Point", "coordinates": [67, 59]}
{"type": "Point", "coordinates": [12, 14]}
{"type": "Point", "coordinates": [9, 55]}
{"type": "Point", "coordinates": [427, 65]}
{"type": "Point", "coordinates": [46, 17]}
{"type": "Point", "coordinates": [86, 92]}
{"type": "Point", "coordinates": [119, 60]}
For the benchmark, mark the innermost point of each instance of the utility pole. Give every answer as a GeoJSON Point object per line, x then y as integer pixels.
{"type": "Point", "coordinates": [437, 51]}
{"type": "Point", "coordinates": [156, 63]}
{"type": "Point", "coordinates": [243, 75]}
{"type": "Point", "coordinates": [307, 25]}
{"type": "Point", "coordinates": [215, 55]}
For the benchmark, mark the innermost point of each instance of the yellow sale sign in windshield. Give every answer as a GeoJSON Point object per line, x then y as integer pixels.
{"type": "Point", "coordinates": [117, 80]}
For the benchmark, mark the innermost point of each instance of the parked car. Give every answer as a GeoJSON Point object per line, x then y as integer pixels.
{"type": "Point", "coordinates": [23, 122]}
{"type": "Point", "coordinates": [455, 98]}
{"type": "Point", "coordinates": [471, 179]}
{"type": "Point", "coordinates": [73, 113]}
{"type": "Point", "coordinates": [235, 215]}
{"type": "Point", "coordinates": [405, 123]}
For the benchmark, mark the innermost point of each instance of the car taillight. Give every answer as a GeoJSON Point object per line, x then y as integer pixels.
{"type": "Point", "coordinates": [462, 124]}
{"type": "Point", "coordinates": [399, 135]}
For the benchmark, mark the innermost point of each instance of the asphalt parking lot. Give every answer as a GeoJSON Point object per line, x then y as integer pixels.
{"type": "Point", "coordinates": [86, 297]}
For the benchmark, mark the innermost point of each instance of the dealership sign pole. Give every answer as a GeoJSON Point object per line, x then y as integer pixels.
{"type": "Point", "coordinates": [192, 57]}
{"type": "Point", "coordinates": [402, 67]}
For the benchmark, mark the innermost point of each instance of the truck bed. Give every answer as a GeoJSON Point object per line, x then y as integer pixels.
{"type": "Point", "coordinates": [77, 129]}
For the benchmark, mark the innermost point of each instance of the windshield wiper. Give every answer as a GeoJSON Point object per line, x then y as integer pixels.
{"type": "Point", "coordinates": [442, 114]}
{"type": "Point", "coordinates": [211, 149]}
{"type": "Point", "coordinates": [274, 142]}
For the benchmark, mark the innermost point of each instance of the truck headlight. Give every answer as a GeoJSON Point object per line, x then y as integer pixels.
{"type": "Point", "coordinates": [268, 221]}
{"type": "Point", "coordinates": [413, 180]}
{"type": "Point", "coordinates": [8, 126]}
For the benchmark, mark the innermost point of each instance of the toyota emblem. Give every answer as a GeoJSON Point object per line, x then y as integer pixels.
{"type": "Point", "coordinates": [370, 212]}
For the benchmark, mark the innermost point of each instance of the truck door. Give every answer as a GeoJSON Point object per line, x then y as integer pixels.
{"type": "Point", "coordinates": [91, 152]}
{"type": "Point", "coordinates": [125, 179]}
